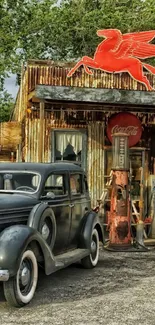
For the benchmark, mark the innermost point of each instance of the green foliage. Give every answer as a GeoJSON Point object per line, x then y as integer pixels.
{"type": "Point", "coordinates": [6, 106]}
{"type": "Point", "coordinates": [41, 29]}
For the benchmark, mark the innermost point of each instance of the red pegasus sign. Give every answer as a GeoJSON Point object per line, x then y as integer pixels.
{"type": "Point", "coordinates": [121, 53]}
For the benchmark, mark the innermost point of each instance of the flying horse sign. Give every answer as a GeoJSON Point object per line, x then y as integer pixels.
{"type": "Point", "coordinates": [121, 53]}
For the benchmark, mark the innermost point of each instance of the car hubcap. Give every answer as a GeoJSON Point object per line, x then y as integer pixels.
{"type": "Point", "coordinates": [45, 231]}
{"type": "Point", "coordinates": [25, 276]}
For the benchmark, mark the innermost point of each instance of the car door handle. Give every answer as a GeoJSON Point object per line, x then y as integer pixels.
{"type": "Point", "coordinates": [71, 205]}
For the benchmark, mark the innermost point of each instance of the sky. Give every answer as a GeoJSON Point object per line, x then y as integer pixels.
{"type": "Point", "coordinates": [10, 85]}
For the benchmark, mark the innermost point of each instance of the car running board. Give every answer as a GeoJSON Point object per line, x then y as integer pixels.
{"type": "Point", "coordinates": [70, 257]}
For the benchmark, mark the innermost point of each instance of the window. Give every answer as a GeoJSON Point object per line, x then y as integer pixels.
{"type": "Point", "coordinates": [54, 186]}
{"type": "Point", "coordinates": [75, 184]}
{"type": "Point", "coordinates": [19, 181]}
{"type": "Point", "coordinates": [69, 145]}
{"type": "Point", "coordinates": [85, 184]}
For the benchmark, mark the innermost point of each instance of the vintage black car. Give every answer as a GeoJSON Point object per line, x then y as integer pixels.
{"type": "Point", "coordinates": [45, 219]}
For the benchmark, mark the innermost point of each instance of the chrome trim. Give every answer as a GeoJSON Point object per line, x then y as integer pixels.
{"type": "Point", "coordinates": [4, 275]}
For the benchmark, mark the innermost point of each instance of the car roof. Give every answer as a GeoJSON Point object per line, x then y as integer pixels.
{"type": "Point", "coordinates": [40, 167]}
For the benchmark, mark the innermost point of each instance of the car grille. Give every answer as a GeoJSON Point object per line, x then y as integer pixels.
{"type": "Point", "coordinates": [14, 216]}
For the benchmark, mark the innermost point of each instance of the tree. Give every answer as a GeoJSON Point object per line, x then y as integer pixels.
{"type": "Point", "coordinates": [41, 29]}
{"type": "Point", "coordinates": [6, 106]}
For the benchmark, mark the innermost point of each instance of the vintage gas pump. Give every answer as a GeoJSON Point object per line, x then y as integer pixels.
{"type": "Point", "coordinates": [119, 216]}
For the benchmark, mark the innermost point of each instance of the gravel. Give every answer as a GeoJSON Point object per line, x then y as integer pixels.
{"type": "Point", "coordinates": [119, 291]}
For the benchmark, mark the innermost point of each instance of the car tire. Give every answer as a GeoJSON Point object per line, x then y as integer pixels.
{"type": "Point", "coordinates": [19, 289]}
{"type": "Point", "coordinates": [91, 260]}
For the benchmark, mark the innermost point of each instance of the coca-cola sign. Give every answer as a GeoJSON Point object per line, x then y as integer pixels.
{"type": "Point", "coordinates": [130, 130]}
{"type": "Point", "coordinates": [125, 123]}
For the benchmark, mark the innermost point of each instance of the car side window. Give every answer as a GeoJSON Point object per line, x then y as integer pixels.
{"type": "Point", "coordinates": [76, 184]}
{"type": "Point", "coordinates": [85, 184]}
{"type": "Point", "coordinates": [55, 185]}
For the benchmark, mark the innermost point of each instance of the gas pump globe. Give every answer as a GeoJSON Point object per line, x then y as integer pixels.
{"type": "Point", "coordinates": [119, 217]}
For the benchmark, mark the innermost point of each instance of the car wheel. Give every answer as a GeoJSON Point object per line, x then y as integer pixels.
{"type": "Point", "coordinates": [46, 230]}
{"type": "Point", "coordinates": [19, 290]}
{"type": "Point", "coordinates": [91, 260]}
{"type": "Point", "coordinates": [47, 227]}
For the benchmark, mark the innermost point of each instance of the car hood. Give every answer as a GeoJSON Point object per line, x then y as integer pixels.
{"type": "Point", "coordinates": [13, 201]}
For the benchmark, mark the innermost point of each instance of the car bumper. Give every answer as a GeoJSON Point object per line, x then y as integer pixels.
{"type": "Point", "coordinates": [4, 275]}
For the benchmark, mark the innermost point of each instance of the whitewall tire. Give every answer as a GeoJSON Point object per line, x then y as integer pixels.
{"type": "Point", "coordinates": [91, 260]}
{"type": "Point", "coordinates": [20, 289]}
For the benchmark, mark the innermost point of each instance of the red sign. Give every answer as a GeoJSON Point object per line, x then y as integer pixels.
{"type": "Point", "coordinates": [125, 123]}
{"type": "Point", "coordinates": [121, 53]}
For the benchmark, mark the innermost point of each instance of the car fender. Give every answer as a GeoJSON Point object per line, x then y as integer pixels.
{"type": "Point", "coordinates": [13, 242]}
{"type": "Point", "coordinates": [39, 212]}
{"type": "Point", "coordinates": [89, 222]}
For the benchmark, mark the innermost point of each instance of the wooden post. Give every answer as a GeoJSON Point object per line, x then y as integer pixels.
{"type": "Point", "coordinates": [141, 202]}
{"type": "Point", "coordinates": [41, 135]}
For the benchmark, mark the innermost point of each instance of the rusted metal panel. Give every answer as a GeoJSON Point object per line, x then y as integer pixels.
{"type": "Point", "coordinates": [32, 131]}
{"type": "Point", "coordinates": [119, 217]}
{"type": "Point", "coordinates": [55, 74]}
{"type": "Point", "coordinates": [95, 160]}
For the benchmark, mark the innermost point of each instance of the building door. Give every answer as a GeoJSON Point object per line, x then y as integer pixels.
{"type": "Point", "coordinates": [70, 145]}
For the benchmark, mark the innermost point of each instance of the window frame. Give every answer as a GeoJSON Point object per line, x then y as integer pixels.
{"type": "Point", "coordinates": [82, 188]}
{"type": "Point", "coordinates": [57, 196]}
{"type": "Point", "coordinates": [9, 171]}
{"type": "Point", "coordinates": [83, 163]}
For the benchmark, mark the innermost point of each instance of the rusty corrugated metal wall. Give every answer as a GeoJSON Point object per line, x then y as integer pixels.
{"type": "Point", "coordinates": [56, 75]}
{"type": "Point", "coordinates": [95, 159]}
{"type": "Point", "coordinates": [32, 131]}
{"type": "Point", "coordinates": [50, 73]}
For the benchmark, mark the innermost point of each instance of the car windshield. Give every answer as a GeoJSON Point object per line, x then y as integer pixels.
{"type": "Point", "coordinates": [17, 181]}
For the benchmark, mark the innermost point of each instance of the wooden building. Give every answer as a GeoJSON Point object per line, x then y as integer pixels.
{"type": "Point", "coordinates": [64, 118]}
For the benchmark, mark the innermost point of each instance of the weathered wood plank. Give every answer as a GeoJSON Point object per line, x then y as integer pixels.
{"type": "Point", "coordinates": [112, 96]}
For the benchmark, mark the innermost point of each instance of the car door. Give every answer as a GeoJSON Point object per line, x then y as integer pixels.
{"type": "Point", "coordinates": [56, 193]}
{"type": "Point", "coordinates": [80, 204]}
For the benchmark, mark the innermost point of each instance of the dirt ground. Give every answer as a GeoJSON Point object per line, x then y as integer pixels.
{"type": "Point", "coordinates": [119, 291]}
